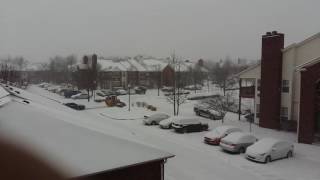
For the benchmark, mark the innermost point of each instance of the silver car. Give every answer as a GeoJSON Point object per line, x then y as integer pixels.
{"type": "Point", "coordinates": [155, 118]}
{"type": "Point", "coordinates": [80, 96]}
{"type": "Point", "coordinates": [269, 149]}
{"type": "Point", "coordinates": [237, 142]}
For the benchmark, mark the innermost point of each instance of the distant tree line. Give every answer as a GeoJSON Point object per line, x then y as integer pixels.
{"type": "Point", "coordinates": [221, 73]}
{"type": "Point", "coordinates": [11, 69]}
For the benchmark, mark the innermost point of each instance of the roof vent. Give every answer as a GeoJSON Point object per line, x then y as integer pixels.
{"type": "Point", "coordinates": [274, 32]}
{"type": "Point", "coordinates": [268, 34]}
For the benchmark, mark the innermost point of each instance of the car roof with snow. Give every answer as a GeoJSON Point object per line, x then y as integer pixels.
{"type": "Point", "coordinates": [55, 136]}
{"type": "Point", "coordinates": [269, 141]}
{"type": "Point", "coordinates": [237, 136]}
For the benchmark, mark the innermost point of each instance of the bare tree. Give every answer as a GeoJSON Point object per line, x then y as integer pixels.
{"type": "Point", "coordinates": [222, 104]}
{"type": "Point", "coordinates": [177, 97]}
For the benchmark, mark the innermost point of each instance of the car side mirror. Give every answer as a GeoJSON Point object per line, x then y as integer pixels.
{"type": "Point", "coordinates": [273, 149]}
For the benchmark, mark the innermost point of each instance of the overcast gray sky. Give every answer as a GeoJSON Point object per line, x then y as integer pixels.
{"type": "Point", "coordinates": [210, 29]}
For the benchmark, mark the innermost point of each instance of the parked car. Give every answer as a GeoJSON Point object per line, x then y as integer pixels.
{"type": "Point", "coordinates": [69, 93]}
{"type": "Point", "coordinates": [167, 89]}
{"type": "Point", "coordinates": [208, 113]}
{"type": "Point", "coordinates": [53, 88]}
{"type": "Point", "coordinates": [200, 106]}
{"type": "Point", "coordinates": [75, 106]}
{"type": "Point", "coordinates": [181, 92]}
{"type": "Point", "coordinates": [121, 92]}
{"type": "Point", "coordinates": [213, 137]}
{"type": "Point", "coordinates": [108, 92]}
{"type": "Point", "coordinates": [155, 118]}
{"type": "Point", "coordinates": [199, 97]}
{"type": "Point", "coordinates": [249, 117]}
{"type": "Point", "coordinates": [80, 96]}
{"type": "Point", "coordinates": [237, 142]}
{"type": "Point", "coordinates": [167, 123]}
{"type": "Point", "coordinates": [99, 99]}
{"type": "Point", "coordinates": [193, 87]}
{"type": "Point", "coordinates": [120, 104]}
{"type": "Point", "coordinates": [189, 125]}
{"type": "Point", "coordinates": [140, 90]}
{"type": "Point", "coordinates": [100, 93]}
{"type": "Point", "coordinates": [269, 149]}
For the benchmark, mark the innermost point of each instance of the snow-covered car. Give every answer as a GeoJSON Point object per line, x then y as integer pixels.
{"type": "Point", "coordinates": [193, 87]}
{"type": "Point", "coordinates": [155, 118]}
{"type": "Point", "coordinates": [269, 149]}
{"type": "Point", "coordinates": [180, 92]}
{"type": "Point", "coordinates": [208, 113]}
{"type": "Point", "coordinates": [140, 90]}
{"type": "Point", "coordinates": [53, 88]}
{"type": "Point", "coordinates": [69, 93]}
{"type": "Point", "coordinates": [75, 106]}
{"type": "Point", "coordinates": [100, 93]}
{"type": "Point", "coordinates": [108, 92]}
{"type": "Point", "coordinates": [237, 142]}
{"type": "Point", "coordinates": [167, 89]}
{"type": "Point", "coordinates": [189, 125]}
{"type": "Point", "coordinates": [80, 96]}
{"type": "Point", "coordinates": [166, 124]}
{"type": "Point", "coordinates": [213, 137]}
{"type": "Point", "coordinates": [121, 104]}
{"type": "Point", "coordinates": [121, 92]}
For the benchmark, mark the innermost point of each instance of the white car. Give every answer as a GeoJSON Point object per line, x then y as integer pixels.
{"type": "Point", "coordinates": [166, 124]}
{"type": "Point", "coordinates": [213, 137]}
{"type": "Point", "coordinates": [80, 96]}
{"type": "Point", "coordinates": [121, 92]}
{"type": "Point", "coordinates": [237, 142]}
{"type": "Point", "coordinates": [155, 118]}
{"type": "Point", "coordinates": [269, 149]}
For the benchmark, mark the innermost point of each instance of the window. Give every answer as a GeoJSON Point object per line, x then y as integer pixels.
{"type": "Point", "coordinates": [258, 110]}
{"type": "Point", "coordinates": [285, 86]}
{"type": "Point", "coordinates": [258, 84]}
{"type": "Point", "coordinates": [284, 113]}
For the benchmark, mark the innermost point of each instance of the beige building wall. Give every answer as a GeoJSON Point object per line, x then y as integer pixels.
{"type": "Point", "coordinates": [293, 56]}
{"type": "Point", "coordinates": [255, 74]}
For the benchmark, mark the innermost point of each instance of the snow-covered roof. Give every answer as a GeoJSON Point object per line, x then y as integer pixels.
{"type": "Point", "coordinates": [154, 64]}
{"type": "Point", "coordinates": [77, 150]}
{"type": "Point", "coordinates": [111, 65]}
{"type": "Point", "coordinates": [248, 69]}
{"type": "Point", "coordinates": [137, 65]}
{"type": "Point", "coordinates": [4, 96]}
{"type": "Point", "coordinates": [3, 92]}
{"type": "Point", "coordinates": [294, 45]}
{"type": "Point", "coordinates": [308, 64]}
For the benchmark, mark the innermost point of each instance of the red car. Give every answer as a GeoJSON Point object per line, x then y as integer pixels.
{"type": "Point", "coordinates": [213, 137]}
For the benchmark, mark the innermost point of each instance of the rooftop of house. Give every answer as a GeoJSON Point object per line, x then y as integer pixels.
{"type": "Point", "coordinates": [73, 149]}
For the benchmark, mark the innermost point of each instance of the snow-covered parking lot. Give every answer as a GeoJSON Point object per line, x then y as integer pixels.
{"type": "Point", "coordinates": [193, 159]}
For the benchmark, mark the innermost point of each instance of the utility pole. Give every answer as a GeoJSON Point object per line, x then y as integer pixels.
{"type": "Point", "coordinates": [129, 87]}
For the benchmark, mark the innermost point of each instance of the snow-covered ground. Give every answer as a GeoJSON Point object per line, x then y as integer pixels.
{"type": "Point", "coordinates": [194, 159]}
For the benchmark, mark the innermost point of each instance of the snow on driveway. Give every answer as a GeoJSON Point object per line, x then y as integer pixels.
{"type": "Point", "coordinates": [194, 159]}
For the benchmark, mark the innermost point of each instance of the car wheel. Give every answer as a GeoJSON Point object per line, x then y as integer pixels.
{"type": "Point", "coordinates": [185, 130]}
{"type": "Point", "coordinates": [268, 159]}
{"type": "Point", "coordinates": [153, 123]}
{"type": "Point", "coordinates": [289, 154]}
{"type": "Point", "coordinates": [242, 150]}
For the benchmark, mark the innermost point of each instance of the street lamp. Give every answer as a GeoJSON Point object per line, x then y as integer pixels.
{"type": "Point", "coordinates": [129, 86]}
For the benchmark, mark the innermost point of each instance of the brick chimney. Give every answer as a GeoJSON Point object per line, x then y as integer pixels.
{"type": "Point", "coordinates": [271, 79]}
{"type": "Point", "coordinates": [200, 62]}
